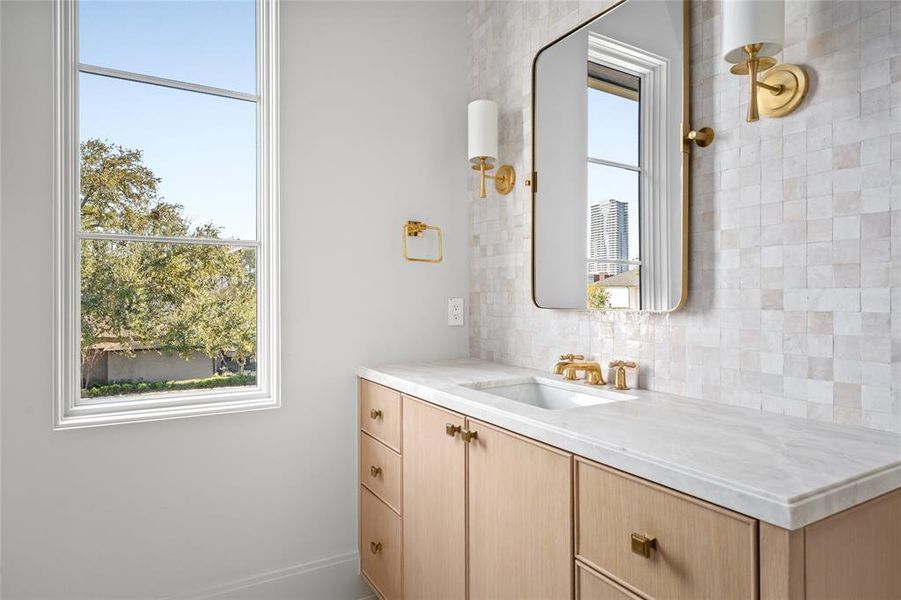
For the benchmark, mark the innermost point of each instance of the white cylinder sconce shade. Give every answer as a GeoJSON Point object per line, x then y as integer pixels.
{"type": "Point", "coordinates": [748, 22]}
{"type": "Point", "coordinates": [482, 130]}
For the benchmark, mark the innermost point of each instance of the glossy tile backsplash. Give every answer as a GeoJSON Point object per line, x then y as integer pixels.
{"type": "Point", "coordinates": [794, 299]}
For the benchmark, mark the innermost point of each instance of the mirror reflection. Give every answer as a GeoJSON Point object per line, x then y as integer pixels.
{"type": "Point", "coordinates": [608, 206]}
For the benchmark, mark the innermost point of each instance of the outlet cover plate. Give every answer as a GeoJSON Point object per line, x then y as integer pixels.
{"type": "Point", "coordinates": [455, 312]}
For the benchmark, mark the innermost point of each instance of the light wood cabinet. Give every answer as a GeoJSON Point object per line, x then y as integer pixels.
{"type": "Point", "coordinates": [698, 550]}
{"type": "Point", "coordinates": [520, 517]}
{"type": "Point", "coordinates": [380, 537]}
{"type": "Point", "coordinates": [380, 413]}
{"type": "Point", "coordinates": [591, 585]}
{"type": "Point", "coordinates": [434, 503]}
{"type": "Point", "coordinates": [501, 516]}
{"type": "Point", "coordinates": [380, 471]}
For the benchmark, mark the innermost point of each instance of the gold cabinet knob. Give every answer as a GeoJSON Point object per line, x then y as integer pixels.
{"type": "Point", "coordinates": [375, 547]}
{"type": "Point", "coordinates": [451, 429]}
{"type": "Point", "coordinates": [642, 545]}
{"type": "Point", "coordinates": [375, 414]}
{"type": "Point", "coordinates": [468, 435]}
{"type": "Point", "coordinates": [375, 471]}
{"type": "Point", "coordinates": [703, 137]}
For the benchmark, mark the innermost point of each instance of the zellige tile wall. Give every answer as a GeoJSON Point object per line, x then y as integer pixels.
{"type": "Point", "coordinates": [794, 303]}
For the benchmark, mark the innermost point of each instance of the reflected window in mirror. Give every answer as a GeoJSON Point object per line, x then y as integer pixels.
{"type": "Point", "coordinates": [613, 255]}
{"type": "Point", "coordinates": [609, 218]}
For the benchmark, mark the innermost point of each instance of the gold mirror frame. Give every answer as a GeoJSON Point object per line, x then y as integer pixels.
{"type": "Point", "coordinates": [685, 142]}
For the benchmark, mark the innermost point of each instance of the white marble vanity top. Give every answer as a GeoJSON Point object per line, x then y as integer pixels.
{"type": "Point", "coordinates": [786, 471]}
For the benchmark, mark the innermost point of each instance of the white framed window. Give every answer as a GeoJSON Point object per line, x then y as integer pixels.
{"type": "Point", "coordinates": [166, 216]}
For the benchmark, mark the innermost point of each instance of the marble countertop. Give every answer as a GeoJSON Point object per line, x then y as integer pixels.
{"type": "Point", "coordinates": [786, 471]}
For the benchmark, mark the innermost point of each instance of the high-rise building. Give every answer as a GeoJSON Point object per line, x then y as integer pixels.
{"type": "Point", "coordinates": [608, 236]}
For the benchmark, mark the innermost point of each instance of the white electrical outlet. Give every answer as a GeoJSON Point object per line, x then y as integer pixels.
{"type": "Point", "coordinates": [455, 312]}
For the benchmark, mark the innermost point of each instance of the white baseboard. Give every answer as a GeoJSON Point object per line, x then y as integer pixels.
{"type": "Point", "coordinates": [332, 578]}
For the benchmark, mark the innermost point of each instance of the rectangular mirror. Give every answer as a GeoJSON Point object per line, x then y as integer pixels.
{"type": "Point", "coordinates": [610, 189]}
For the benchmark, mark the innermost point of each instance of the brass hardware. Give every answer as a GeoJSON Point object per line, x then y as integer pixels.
{"type": "Point", "coordinates": [642, 545]}
{"type": "Point", "coordinates": [451, 429]}
{"type": "Point", "coordinates": [592, 372]}
{"type": "Point", "coordinates": [375, 547]}
{"type": "Point", "coordinates": [375, 471]}
{"type": "Point", "coordinates": [504, 180]}
{"type": "Point", "coordinates": [375, 414]}
{"type": "Point", "coordinates": [702, 137]}
{"type": "Point", "coordinates": [787, 85]}
{"type": "Point", "coordinates": [417, 229]}
{"type": "Point", "coordinates": [468, 435]}
{"type": "Point", "coordinates": [566, 359]}
{"type": "Point", "coordinates": [620, 373]}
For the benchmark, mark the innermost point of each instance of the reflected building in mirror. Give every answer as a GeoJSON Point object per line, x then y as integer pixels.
{"type": "Point", "coordinates": [608, 238]}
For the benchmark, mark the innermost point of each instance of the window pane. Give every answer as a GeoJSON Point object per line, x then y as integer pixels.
{"type": "Point", "coordinates": [211, 43]}
{"type": "Point", "coordinates": [158, 161]}
{"type": "Point", "coordinates": [613, 217]}
{"type": "Point", "coordinates": [166, 317]}
{"type": "Point", "coordinates": [613, 118]}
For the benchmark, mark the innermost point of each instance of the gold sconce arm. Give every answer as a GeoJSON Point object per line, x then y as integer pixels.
{"type": "Point", "coordinates": [417, 229]}
{"type": "Point", "coordinates": [503, 181]}
{"type": "Point", "coordinates": [786, 85]}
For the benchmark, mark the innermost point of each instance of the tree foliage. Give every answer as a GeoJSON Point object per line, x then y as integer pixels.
{"type": "Point", "coordinates": [182, 297]}
{"type": "Point", "coordinates": [598, 296]}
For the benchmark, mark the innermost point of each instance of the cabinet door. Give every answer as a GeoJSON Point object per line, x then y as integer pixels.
{"type": "Point", "coordinates": [434, 501]}
{"type": "Point", "coordinates": [520, 518]}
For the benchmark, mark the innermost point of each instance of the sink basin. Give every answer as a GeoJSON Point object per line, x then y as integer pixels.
{"type": "Point", "coordinates": [550, 394]}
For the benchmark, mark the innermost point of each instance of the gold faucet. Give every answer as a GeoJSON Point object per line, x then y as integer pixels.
{"type": "Point", "coordinates": [592, 371]}
{"type": "Point", "coordinates": [620, 373]}
{"type": "Point", "coordinates": [566, 359]}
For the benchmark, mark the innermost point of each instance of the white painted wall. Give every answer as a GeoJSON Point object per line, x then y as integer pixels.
{"type": "Point", "coordinates": [373, 133]}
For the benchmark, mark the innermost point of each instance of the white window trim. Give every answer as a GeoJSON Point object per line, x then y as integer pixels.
{"type": "Point", "coordinates": [654, 199]}
{"type": "Point", "coordinates": [68, 411]}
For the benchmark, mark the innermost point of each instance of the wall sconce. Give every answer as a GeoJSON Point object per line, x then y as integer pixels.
{"type": "Point", "coordinates": [754, 31]}
{"type": "Point", "coordinates": [483, 147]}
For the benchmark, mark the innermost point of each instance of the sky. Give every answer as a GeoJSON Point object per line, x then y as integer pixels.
{"type": "Point", "coordinates": [613, 135]}
{"type": "Point", "coordinates": [202, 147]}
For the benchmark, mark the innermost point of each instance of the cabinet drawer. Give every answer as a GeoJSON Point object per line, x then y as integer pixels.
{"type": "Point", "coordinates": [699, 551]}
{"type": "Point", "coordinates": [380, 545]}
{"type": "Point", "coordinates": [380, 413]}
{"type": "Point", "coordinates": [593, 586]}
{"type": "Point", "coordinates": [380, 470]}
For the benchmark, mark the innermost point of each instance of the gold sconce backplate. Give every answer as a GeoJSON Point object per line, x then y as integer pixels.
{"type": "Point", "coordinates": [504, 179]}
{"type": "Point", "coordinates": [793, 83]}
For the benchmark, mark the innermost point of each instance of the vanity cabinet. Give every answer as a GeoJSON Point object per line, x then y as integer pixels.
{"type": "Point", "coordinates": [381, 530]}
{"type": "Point", "coordinates": [520, 517]}
{"type": "Point", "coordinates": [434, 502]}
{"type": "Point", "coordinates": [661, 543]}
{"type": "Point", "coordinates": [452, 508]}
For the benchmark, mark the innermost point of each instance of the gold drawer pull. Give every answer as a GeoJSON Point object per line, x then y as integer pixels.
{"type": "Point", "coordinates": [451, 429]}
{"type": "Point", "coordinates": [375, 547]}
{"type": "Point", "coordinates": [468, 435]}
{"type": "Point", "coordinates": [375, 471]}
{"type": "Point", "coordinates": [375, 414]}
{"type": "Point", "coordinates": [642, 545]}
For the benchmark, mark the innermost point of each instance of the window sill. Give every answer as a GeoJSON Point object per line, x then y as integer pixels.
{"type": "Point", "coordinates": [132, 409]}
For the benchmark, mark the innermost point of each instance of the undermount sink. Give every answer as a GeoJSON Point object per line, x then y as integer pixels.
{"type": "Point", "coordinates": [550, 394]}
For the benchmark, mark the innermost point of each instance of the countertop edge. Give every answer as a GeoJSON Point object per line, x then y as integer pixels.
{"type": "Point", "coordinates": [789, 514]}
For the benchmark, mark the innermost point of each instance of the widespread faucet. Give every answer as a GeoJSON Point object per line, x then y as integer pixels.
{"type": "Point", "coordinates": [591, 369]}
{"type": "Point", "coordinates": [570, 365]}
